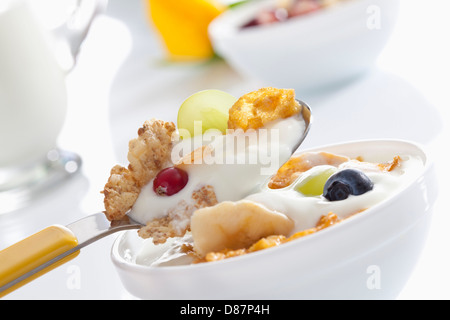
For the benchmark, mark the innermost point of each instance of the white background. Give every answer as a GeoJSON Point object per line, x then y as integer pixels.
{"type": "Point", "coordinates": [121, 80]}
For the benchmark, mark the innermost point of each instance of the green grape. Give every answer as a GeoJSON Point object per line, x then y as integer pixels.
{"type": "Point", "coordinates": [208, 108]}
{"type": "Point", "coordinates": [312, 181]}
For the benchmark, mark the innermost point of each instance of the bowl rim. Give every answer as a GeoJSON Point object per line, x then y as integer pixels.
{"type": "Point", "coordinates": [350, 222]}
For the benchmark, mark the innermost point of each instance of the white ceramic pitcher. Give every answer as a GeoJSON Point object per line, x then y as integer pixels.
{"type": "Point", "coordinates": [33, 99]}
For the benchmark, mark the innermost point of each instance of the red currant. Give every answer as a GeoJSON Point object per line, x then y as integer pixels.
{"type": "Point", "coordinates": [170, 181]}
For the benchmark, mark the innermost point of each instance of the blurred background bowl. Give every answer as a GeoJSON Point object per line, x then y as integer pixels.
{"type": "Point", "coordinates": [307, 52]}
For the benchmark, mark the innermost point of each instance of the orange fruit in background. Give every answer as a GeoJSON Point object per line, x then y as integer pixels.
{"type": "Point", "coordinates": [183, 26]}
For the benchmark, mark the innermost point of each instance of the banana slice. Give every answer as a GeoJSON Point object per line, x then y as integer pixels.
{"type": "Point", "coordinates": [235, 225]}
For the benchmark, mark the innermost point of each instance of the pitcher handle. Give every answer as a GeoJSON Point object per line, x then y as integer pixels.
{"type": "Point", "coordinates": [71, 34]}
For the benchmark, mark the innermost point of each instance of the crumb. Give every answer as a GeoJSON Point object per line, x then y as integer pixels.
{"type": "Point", "coordinates": [358, 163]}
{"type": "Point", "coordinates": [324, 222]}
{"type": "Point", "coordinates": [195, 157]}
{"type": "Point", "coordinates": [391, 165]}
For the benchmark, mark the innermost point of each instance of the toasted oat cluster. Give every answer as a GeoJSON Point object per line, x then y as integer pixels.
{"type": "Point", "coordinates": [120, 192]}
{"type": "Point", "coordinates": [257, 108]}
{"type": "Point", "coordinates": [148, 154]}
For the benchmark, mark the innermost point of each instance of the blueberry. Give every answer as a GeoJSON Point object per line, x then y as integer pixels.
{"type": "Point", "coordinates": [345, 183]}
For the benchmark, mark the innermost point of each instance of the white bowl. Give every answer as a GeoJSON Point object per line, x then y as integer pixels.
{"type": "Point", "coordinates": [368, 256]}
{"type": "Point", "coordinates": [306, 52]}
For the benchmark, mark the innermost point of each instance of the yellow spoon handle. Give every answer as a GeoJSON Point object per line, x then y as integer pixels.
{"type": "Point", "coordinates": [34, 256]}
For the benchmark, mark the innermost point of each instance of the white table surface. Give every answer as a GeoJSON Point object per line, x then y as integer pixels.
{"type": "Point", "coordinates": [120, 81]}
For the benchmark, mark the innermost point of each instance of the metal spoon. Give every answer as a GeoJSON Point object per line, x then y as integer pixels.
{"type": "Point", "coordinates": [307, 117]}
{"type": "Point", "coordinates": [55, 245]}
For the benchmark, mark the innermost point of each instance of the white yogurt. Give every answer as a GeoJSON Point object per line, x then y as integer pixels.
{"type": "Point", "coordinates": [306, 211]}
{"type": "Point", "coordinates": [241, 163]}
{"type": "Point", "coordinates": [170, 253]}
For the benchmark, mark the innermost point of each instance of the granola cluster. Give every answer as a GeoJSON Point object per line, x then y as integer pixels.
{"type": "Point", "coordinates": [148, 154]}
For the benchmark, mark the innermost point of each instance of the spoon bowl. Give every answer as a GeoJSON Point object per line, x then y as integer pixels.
{"type": "Point", "coordinates": [307, 117]}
